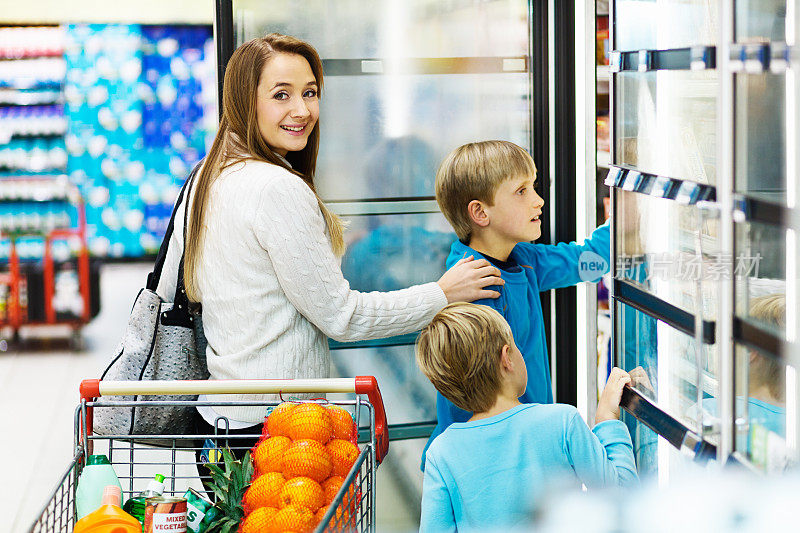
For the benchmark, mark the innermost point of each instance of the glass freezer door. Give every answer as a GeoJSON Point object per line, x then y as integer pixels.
{"type": "Point", "coordinates": [763, 379]}
{"type": "Point", "coordinates": [704, 177]}
{"type": "Point", "coordinates": [405, 83]}
{"type": "Point", "coordinates": [668, 262]}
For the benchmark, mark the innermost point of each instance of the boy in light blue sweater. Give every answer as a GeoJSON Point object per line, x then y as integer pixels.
{"type": "Point", "coordinates": [487, 472]}
{"type": "Point", "coordinates": [486, 192]}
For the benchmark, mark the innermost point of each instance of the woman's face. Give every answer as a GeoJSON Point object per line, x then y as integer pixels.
{"type": "Point", "coordinates": [287, 104]}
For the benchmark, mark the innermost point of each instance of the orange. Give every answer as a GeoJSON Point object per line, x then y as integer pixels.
{"type": "Point", "coordinates": [293, 518]}
{"type": "Point", "coordinates": [309, 421]}
{"type": "Point", "coordinates": [302, 492]}
{"type": "Point", "coordinates": [320, 514]}
{"type": "Point", "coordinates": [259, 520]}
{"type": "Point", "coordinates": [342, 423]}
{"type": "Point", "coordinates": [276, 421]}
{"type": "Point", "coordinates": [331, 486]}
{"type": "Point", "coordinates": [269, 454]}
{"type": "Point", "coordinates": [264, 491]}
{"type": "Point", "coordinates": [341, 521]}
{"type": "Point", "coordinates": [343, 454]}
{"type": "Point", "coordinates": [307, 458]}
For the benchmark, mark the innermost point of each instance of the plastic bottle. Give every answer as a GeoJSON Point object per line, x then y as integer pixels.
{"type": "Point", "coordinates": [109, 517]}
{"type": "Point", "coordinates": [97, 474]}
{"type": "Point", "coordinates": [135, 505]}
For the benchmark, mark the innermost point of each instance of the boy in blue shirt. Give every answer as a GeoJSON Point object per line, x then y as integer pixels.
{"type": "Point", "coordinates": [485, 190]}
{"type": "Point", "coordinates": [488, 472]}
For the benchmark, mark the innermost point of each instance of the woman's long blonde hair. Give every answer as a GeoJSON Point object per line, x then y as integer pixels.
{"type": "Point", "coordinates": [239, 139]}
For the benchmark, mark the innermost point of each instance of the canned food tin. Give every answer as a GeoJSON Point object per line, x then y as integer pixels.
{"type": "Point", "coordinates": [199, 511]}
{"type": "Point", "coordinates": [164, 514]}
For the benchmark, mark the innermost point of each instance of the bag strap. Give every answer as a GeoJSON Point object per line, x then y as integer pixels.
{"type": "Point", "coordinates": [180, 314]}
{"type": "Point", "coordinates": [155, 276]}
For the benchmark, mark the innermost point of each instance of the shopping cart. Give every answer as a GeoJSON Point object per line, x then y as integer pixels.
{"type": "Point", "coordinates": [136, 462]}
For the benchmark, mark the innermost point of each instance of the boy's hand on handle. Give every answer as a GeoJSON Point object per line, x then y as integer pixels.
{"type": "Point", "coordinates": [640, 379]}
{"type": "Point", "coordinates": [608, 404]}
{"type": "Point", "coordinates": [466, 280]}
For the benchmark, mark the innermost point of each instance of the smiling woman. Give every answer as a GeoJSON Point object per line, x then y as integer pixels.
{"type": "Point", "coordinates": [262, 249]}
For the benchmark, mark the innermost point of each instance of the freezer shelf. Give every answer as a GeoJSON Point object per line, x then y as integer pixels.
{"type": "Point", "coordinates": [665, 123]}
{"type": "Point", "coordinates": [656, 249]}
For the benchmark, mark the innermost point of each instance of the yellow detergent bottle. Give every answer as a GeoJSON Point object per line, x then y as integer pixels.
{"type": "Point", "coordinates": [109, 517]}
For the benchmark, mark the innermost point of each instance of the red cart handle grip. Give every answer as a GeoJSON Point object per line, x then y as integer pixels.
{"type": "Point", "coordinates": [90, 389]}
{"type": "Point", "coordinates": [369, 385]}
{"type": "Point", "coordinates": [95, 388]}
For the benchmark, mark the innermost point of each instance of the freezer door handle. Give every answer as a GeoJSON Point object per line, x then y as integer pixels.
{"type": "Point", "coordinates": [666, 426]}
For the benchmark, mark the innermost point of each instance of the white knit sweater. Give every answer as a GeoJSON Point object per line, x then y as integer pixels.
{"type": "Point", "coordinates": [271, 288]}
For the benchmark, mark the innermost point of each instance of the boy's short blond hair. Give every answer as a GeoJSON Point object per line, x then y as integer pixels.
{"type": "Point", "coordinates": [459, 351]}
{"type": "Point", "coordinates": [770, 309]}
{"type": "Point", "coordinates": [473, 172]}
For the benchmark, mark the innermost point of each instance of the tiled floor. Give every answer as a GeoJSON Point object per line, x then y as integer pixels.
{"type": "Point", "coordinates": [39, 393]}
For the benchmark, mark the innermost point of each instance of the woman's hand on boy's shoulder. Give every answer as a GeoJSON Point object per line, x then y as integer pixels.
{"type": "Point", "coordinates": [608, 404]}
{"type": "Point", "coordinates": [466, 281]}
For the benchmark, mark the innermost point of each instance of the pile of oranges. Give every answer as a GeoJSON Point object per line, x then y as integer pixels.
{"type": "Point", "coordinates": [299, 469]}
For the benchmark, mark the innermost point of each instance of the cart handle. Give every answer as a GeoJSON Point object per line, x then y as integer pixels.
{"type": "Point", "coordinates": [95, 388]}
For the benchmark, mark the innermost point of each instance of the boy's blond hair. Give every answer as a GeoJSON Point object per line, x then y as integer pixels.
{"type": "Point", "coordinates": [770, 309]}
{"type": "Point", "coordinates": [459, 351]}
{"type": "Point", "coordinates": [473, 172]}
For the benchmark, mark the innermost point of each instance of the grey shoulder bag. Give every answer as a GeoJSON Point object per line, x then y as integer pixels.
{"type": "Point", "coordinates": [163, 341]}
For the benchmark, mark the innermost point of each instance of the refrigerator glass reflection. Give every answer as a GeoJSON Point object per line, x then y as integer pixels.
{"type": "Point", "coordinates": [384, 137]}
{"type": "Point", "coordinates": [668, 250]}
{"type": "Point", "coordinates": [354, 29]}
{"type": "Point", "coordinates": [666, 123]}
{"type": "Point", "coordinates": [760, 166]}
{"type": "Point", "coordinates": [392, 252]}
{"type": "Point", "coordinates": [760, 20]}
{"type": "Point", "coordinates": [761, 273]}
{"type": "Point", "coordinates": [760, 407]}
{"type": "Point", "coordinates": [662, 24]}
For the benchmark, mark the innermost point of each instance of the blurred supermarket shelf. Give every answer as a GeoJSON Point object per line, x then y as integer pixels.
{"type": "Point", "coordinates": [10, 96]}
{"type": "Point", "coordinates": [122, 110]}
{"type": "Point", "coordinates": [18, 42]}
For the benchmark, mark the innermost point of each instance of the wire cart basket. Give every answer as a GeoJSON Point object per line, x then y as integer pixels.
{"type": "Point", "coordinates": [136, 459]}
